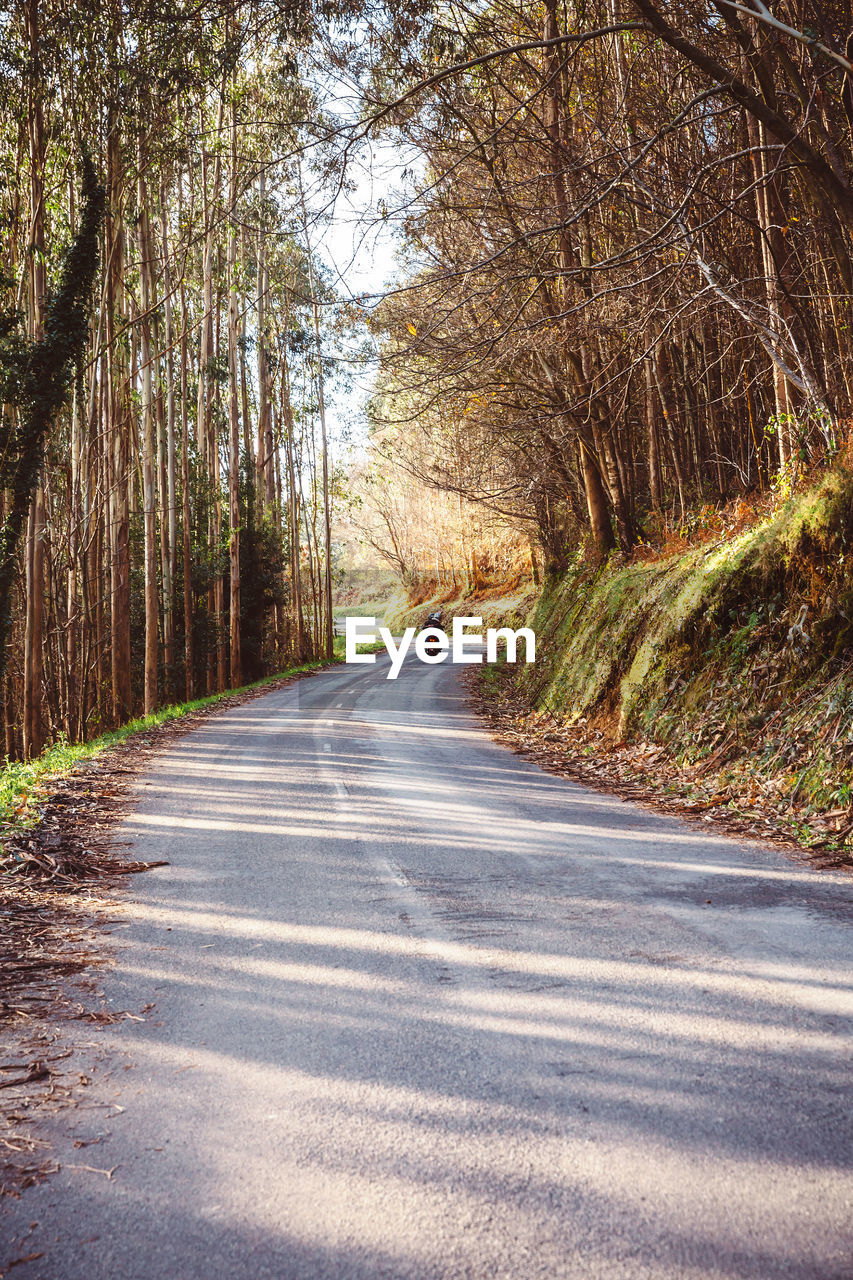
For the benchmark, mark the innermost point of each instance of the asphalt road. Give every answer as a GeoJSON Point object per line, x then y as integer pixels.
{"type": "Point", "coordinates": [422, 1010]}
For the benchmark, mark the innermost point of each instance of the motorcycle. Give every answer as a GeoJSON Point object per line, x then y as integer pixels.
{"type": "Point", "coordinates": [435, 622]}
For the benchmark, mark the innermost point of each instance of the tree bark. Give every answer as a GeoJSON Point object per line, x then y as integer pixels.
{"type": "Point", "coordinates": [169, 516]}
{"type": "Point", "coordinates": [326, 595]}
{"type": "Point", "coordinates": [37, 284]}
{"type": "Point", "coordinates": [149, 444]}
{"type": "Point", "coordinates": [234, 422]}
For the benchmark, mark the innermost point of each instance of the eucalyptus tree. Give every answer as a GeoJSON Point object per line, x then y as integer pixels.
{"type": "Point", "coordinates": [170, 462]}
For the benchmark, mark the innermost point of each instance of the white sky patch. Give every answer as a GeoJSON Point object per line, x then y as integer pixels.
{"type": "Point", "coordinates": [360, 238]}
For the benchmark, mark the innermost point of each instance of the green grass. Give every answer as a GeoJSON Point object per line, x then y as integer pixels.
{"type": "Point", "coordinates": [23, 784]}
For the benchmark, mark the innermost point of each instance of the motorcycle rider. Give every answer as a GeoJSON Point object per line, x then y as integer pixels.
{"type": "Point", "coordinates": [435, 622]}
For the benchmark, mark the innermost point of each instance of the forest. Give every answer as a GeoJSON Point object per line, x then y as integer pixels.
{"type": "Point", "coordinates": [333, 947]}
{"type": "Point", "coordinates": [619, 301]}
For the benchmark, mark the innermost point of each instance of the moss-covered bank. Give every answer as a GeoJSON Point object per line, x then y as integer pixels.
{"type": "Point", "coordinates": [737, 656]}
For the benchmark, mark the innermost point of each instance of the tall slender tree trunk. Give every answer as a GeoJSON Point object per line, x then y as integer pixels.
{"type": "Point", "coordinates": [221, 655]}
{"type": "Point", "coordinates": [769, 223]}
{"type": "Point", "coordinates": [34, 629]}
{"type": "Point", "coordinates": [205, 426]}
{"type": "Point", "coordinates": [234, 421]}
{"type": "Point", "coordinates": [186, 512]}
{"type": "Point", "coordinates": [266, 478]}
{"type": "Point", "coordinates": [33, 729]}
{"type": "Point", "coordinates": [295, 553]}
{"type": "Point", "coordinates": [326, 613]}
{"type": "Point", "coordinates": [650, 405]}
{"type": "Point", "coordinates": [72, 599]}
{"type": "Point", "coordinates": [602, 531]}
{"type": "Point", "coordinates": [169, 516]}
{"type": "Point", "coordinates": [293, 512]}
{"type": "Point", "coordinates": [662, 372]}
{"type": "Point", "coordinates": [149, 443]}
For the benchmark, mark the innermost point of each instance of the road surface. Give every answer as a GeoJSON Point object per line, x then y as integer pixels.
{"type": "Point", "coordinates": [423, 1011]}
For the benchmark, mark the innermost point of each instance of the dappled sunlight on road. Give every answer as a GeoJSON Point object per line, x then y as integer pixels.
{"type": "Point", "coordinates": [805, 987]}
{"type": "Point", "coordinates": [423, 1011]}
{"type": "Point", "coordinates": [403, 757]}
{"type": "Point", "coordinates": [411, 1137]}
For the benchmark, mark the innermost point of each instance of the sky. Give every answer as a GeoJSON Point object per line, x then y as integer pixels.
{"type": "Point", "coordinates": [360, 248]}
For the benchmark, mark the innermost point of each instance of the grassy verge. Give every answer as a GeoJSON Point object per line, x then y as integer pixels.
{"type": "Point", "coordinates": [24, 783]}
